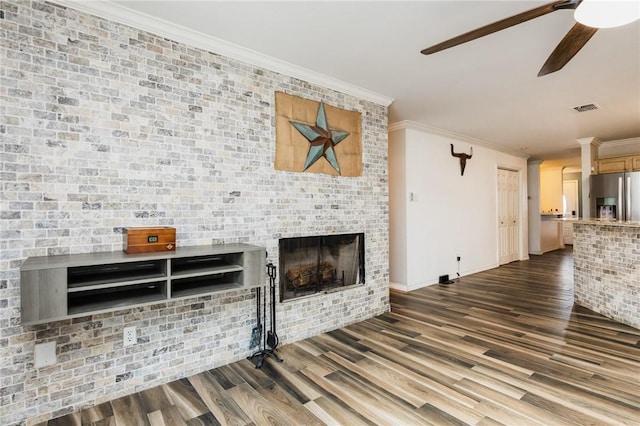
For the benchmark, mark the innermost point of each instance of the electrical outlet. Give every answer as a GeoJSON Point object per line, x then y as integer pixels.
{"type": "Point", "coordinates": [45, 354]}
{"type": "Point", "coordinates": [129, 336]}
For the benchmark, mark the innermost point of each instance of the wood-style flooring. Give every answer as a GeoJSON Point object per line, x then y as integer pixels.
{"type": "Point", "coordinates": [505, 346]}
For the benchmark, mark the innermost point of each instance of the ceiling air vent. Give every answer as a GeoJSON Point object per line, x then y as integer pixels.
{"type": "Point", "coordinates": [587, 107]}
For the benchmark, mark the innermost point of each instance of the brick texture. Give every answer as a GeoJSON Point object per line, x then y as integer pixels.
{"type": "Point", "coordinates": [102, 127]}
{"type": "Point", "coordinates": [606, 277]}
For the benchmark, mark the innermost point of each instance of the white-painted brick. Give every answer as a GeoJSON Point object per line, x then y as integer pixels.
{"type": "Point", "coordinates": [102, 127]}
{"type": "Point", "coordinates": [606, 259]}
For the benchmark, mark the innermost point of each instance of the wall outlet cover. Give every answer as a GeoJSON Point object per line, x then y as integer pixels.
{"type": "Point", "coordinates": [44, 354]}
{"type": "Point", "coordinates": [129, 336]}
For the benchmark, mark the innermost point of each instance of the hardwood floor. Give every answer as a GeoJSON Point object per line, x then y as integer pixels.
{"type": "Point", "coordinates": [505, 346]}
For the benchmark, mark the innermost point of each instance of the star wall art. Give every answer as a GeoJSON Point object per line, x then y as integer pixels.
{"type": "Point", "coordinates": [322, 139]}
{"type": "Point", "coordinates": [314, 137]}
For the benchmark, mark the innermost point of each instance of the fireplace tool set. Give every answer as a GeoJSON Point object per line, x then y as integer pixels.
{"type": "Point", "coordinates": [268, 340]}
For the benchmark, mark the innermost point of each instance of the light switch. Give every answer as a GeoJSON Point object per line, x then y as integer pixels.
{"type": "Point", "coordinates": [45, 354]}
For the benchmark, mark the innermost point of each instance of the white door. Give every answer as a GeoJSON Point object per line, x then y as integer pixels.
{"type": "Point", "coordinates": [508, 216]}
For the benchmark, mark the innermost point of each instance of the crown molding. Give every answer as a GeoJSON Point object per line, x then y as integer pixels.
{"type": "Point", "coordinates": [621, 142]}
{"type": "Point", "coordinates": [123, 15]}
{"type": "Point", "coordinates": [407, 124]}
{"type": "Point", "coordinates": [592, 140]}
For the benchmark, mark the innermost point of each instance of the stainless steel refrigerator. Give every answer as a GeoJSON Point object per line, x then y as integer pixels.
{"type": "Point", "coordinates": [616, 196]}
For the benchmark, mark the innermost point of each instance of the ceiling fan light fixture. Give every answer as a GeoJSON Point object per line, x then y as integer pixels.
{"type": "Point", "coordinates": [607, 13]}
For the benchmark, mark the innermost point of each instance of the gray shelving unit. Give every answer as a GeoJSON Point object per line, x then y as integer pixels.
{"type": "Point", "coordinates": [59, 287]}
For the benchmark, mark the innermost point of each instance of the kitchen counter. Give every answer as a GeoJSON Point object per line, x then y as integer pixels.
{"type": "Point", "coordinates": [566, 223]}
{"type": "Point", "coordinates": [606, 268]}
{"type": "Point", "coordinates": [550, 233]}
{"type": "Point", "coordinates": [609, 222]}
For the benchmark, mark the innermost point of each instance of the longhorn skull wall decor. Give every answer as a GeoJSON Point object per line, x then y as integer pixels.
{"type": "Point", "coordinates": [463, 158]}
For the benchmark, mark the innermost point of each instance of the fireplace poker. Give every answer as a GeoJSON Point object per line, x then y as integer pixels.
{"type": "Point", "coordinates": [256, 333]}
{"type": "Point", "coordinates": [272, 336]}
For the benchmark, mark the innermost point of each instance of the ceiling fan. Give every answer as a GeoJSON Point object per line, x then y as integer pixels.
{"type": "Point", "coordinates": [573, 41]}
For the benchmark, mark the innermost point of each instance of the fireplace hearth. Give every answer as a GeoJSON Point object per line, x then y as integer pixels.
{"type": "Point", "coordinates": [320, 264]}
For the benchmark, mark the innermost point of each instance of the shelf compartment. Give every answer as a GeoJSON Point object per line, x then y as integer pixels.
{"type": "Point", "coordinates": [206, 284]}
{"type": "Point", "coordinates": [113, 273]}
{"type": "Point", "coordinates": [109, 285]}
{"type": "Point", "coordinates": [116, 297]}
{"type": "Point", "coordinates": [67, 286]}
{"type": "Point", "coordinates": [206, 265]}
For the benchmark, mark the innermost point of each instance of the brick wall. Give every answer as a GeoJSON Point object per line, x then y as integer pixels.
{"type": "Point", "coordinates": [606, 275]}
{"type": "Point", "coordinates": [103, 126]}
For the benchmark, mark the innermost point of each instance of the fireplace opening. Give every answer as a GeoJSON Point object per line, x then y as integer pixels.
{"type": "Point", "coordinates": [320, 264]}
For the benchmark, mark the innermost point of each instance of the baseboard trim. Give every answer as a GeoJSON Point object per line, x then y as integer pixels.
{"type": "Point", "coordinates": [407, 288]}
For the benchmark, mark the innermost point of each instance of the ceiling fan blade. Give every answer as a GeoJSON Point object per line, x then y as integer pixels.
{"type": "Point", "coordinates": [502, 24]}
{"type": "Point", "coordinates": [571, 44]}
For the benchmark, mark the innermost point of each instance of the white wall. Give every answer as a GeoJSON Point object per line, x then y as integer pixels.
{"type": "Point", "coordinates": [450, 215]}
{"type": "Point", "coordinates": [551, 189]}
{"type": "Point", "coordinates": [397, 208]}
{"type": "Point", "coordinates": [535, 221]}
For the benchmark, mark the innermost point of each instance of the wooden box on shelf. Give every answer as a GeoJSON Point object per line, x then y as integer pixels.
{"type": "Point", "coordinates": [149, 240]}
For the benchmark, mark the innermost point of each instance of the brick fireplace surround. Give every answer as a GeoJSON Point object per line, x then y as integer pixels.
{"type": "Point", "coordinates": [103, 127]}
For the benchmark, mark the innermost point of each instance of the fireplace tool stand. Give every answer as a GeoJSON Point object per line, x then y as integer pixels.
{"type": "Point", "coordinates": [270, 339]}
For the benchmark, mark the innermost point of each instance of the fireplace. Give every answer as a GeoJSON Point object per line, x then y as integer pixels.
{"type": "Point", "coordinates": [320, 264]}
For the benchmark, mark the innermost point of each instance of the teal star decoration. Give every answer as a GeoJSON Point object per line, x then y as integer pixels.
{"type": "Point", "coordinates": [322, 140]}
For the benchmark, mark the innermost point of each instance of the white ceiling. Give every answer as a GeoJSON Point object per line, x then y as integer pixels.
{"type": "Point", "coordinates": [486, 89]}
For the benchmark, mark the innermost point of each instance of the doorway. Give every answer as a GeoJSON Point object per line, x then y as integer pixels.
{"type": "Point", "coordinates": [508, 216]}
{"type": "Point", "coordinates": [570, 197]}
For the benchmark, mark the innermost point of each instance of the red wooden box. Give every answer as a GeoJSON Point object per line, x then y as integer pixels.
{"type": "Point", "coordinates": [147, 240]}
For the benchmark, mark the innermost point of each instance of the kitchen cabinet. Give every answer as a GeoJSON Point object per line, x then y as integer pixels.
{"type": "Point", "coordinates": [551, 233]}
{"type": "Point", "coordinates": [66, 286]}
{"type": "Point", "coordinates": [567, 232]}
{"type": "Point", "coordinates": [627, 163]}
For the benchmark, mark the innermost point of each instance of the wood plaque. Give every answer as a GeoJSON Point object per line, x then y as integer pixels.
{"type": "Point", "coordinates": [292, 148]}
